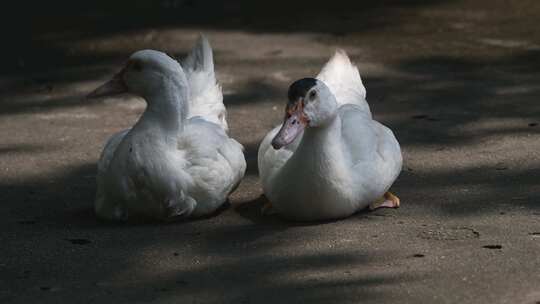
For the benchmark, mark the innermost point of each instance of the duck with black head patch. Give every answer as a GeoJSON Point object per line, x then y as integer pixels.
{"type": "Point", "coordinates": [329, 158]}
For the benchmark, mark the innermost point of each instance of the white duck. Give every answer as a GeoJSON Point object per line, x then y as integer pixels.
{"type": "Point", "coordinates": [177, 161]}
{"type": "Point", "coordinates": [329, 159]}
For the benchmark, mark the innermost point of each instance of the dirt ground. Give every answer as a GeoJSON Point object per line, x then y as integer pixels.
{"type": "Point", "coordinates": [457, 81]}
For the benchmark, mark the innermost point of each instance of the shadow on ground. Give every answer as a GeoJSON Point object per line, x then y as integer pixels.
{"type": "Point", "coordinates": [464, 122]}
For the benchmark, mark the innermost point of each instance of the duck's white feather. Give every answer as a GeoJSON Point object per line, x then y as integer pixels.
{"type": "Point", "coordinates": [108, 210]}
{"type": "Point", "coordinates": [214, 162]}
{"type": "Point", "coordinates": [206, 97]}
{"type": "Point", "coordinates": [269, 160]}
{"type": "Point", "coordinates": [140, 173]}
{"type": "Point", "coordinates": [206, 167]}
{"type": "Point", "coordinates": [332, 172]}
{"type": "Point", "coordinates": [343, 79]}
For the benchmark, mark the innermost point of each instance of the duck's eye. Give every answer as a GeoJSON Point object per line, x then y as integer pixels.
{"type": "Point", "coordinates": [312, 95]}
{"type": "Point", "coordinates": [137, 66]}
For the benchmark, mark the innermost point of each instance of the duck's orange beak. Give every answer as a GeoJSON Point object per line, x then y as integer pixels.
{"type": "Point", "coordinates": [295, 122]}
{"type": "Point", "coordinates": [112, 87]}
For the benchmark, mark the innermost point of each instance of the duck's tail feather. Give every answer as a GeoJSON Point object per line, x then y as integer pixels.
{"type": "Point", "coordinates": [343, 79]}
{"type": "Point", "coordinates": [206, 98]}
{"type": "Point", "coordinates": [200, 58]}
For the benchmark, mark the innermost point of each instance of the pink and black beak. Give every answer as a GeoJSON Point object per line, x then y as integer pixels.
{"type": "Point", "coordinates": [295, 118]}
{"type": "Point", "coordinates": [295, 122]}
{"type": "Point", "coordinates": [112, 87]}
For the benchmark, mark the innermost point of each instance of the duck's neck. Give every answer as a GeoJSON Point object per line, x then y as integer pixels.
{"type": "Point", "coordinates": [166, 111]}
{"type": "Point", "coordinates": [321, 145]}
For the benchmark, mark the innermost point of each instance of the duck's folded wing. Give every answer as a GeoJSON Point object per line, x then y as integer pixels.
{"type": "Point", "coordinates": [215, 161]}
{"type": "Point", "coordinates": [343, 79]}
{"type": "Point", "coordinates": [368, 142]}
{"type": "Point", "coordinates": [206, 98]}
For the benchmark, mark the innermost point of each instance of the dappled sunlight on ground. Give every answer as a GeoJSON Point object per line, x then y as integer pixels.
{"type": "Point", "coordinates": [459, 90]}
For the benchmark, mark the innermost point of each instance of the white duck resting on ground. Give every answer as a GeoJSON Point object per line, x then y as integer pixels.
{"type": "Point", "coordinates": [329, 158]}
{"type": "Point", "coordinates": [177, 161]}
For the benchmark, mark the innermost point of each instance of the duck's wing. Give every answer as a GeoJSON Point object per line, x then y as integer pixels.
{"type": "Point", "coordinates": [206, 98]}
{"type": "Point", "coordinates": [270, 160]}
{"type": "Point", "coordinates": [343, 79]}
{"type": "Point", "coordinates": [369, 143]}
{"type": "Point", "coordinates": [215, 161]}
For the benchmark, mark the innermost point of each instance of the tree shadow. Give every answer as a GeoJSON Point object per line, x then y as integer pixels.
{"type": "Point", "coordinates": [252, 92]}
{"type": "Point", "coordinates": [53, 29]}
{"type": "Point", "coordinates": [457, 92]}
{"type": "Point", "coordinates": [448, 105]}
{"type": "Point", "coordinates": [55, 249]}
{"type": "Point", "coordinates": [213, 256]}
{"type": "Point", "coordinates": [25, 148]}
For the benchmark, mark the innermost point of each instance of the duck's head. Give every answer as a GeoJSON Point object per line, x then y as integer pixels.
{"type": "Point", "coordinates": [310, 105]}
{"type": "Point", "coordinates": [143, 74]}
